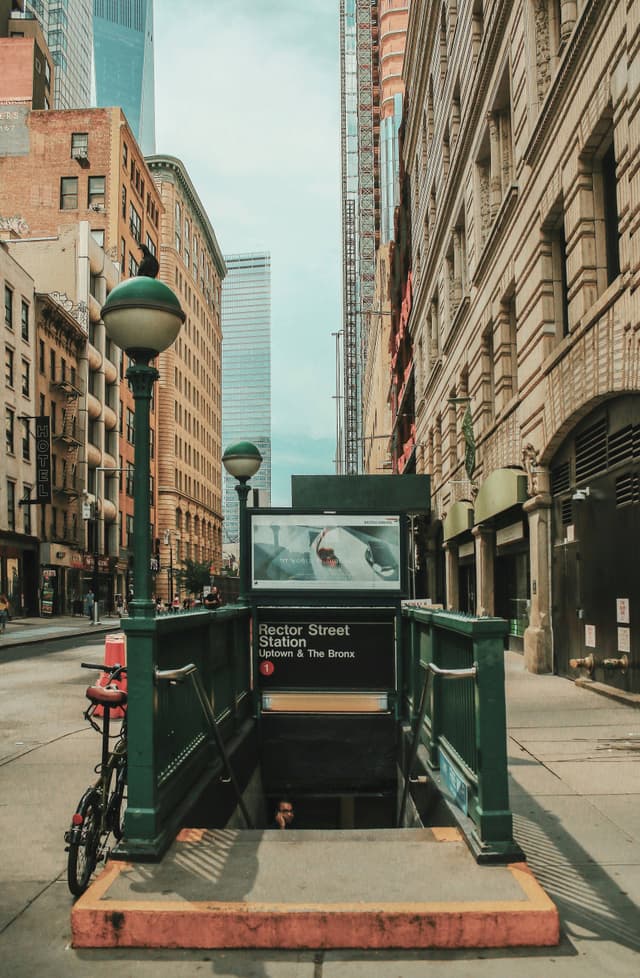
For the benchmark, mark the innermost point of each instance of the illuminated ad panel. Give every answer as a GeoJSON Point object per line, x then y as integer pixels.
{"type": "Point", "coordinates": [325, 552]}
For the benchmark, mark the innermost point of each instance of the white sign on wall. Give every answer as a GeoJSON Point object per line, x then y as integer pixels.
{"type": "Point", "coordinates": [590, 636]}
{"type": "Point", "coordinates": [622, 610]}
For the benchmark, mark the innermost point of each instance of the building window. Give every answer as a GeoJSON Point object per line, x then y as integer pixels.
{"type": "Point", "coordinates": [151, 245]}
{"type": "Point", "coordinates": [98, 235]}
{"type": "Point", "coordinates": [8, 366]}
{"type": "Point", "coordinates": [26, 518]}
{"type": "Point", "coordinates": [129, 532]}
{"type": "Point", "coordinates": [135, 222]}
{"type": "Point", "coordinates": [95, 197]}
{"type": "Point", "coordinates": [125, 155]}
{"type": "Point", "coordinates": [178, 227]}
{"type": "Point", "coordinates": [130, 480]}
{"type": "Point", "coordinates": [8, 306]}
{"type": "Point", "coordinates": [41, 356]}
{"type": "Point", "coordinates": [24, 320]}
{"type": "Point", "coordinates": [130, 427]}
{"type": "Point", "coordinates": [26, 384]}
{"type": "Point", "coordinates": [123, 254]}
{"type": "Point", "coordinates": [610, 211]}
{"type": "Point", "coordinates": [11, 505]}
{"type": "Point", "coordinates": [69, 193]}
{"type": "Point", "coordinates": [52, 364]}
{"type": "Point", "coordinates": [133, 266]}
{"type": "Point", "coordinates": [79, 145]}
{"type": "Point", "coordinates": [10, 421]}
{"type": "Point", "coordinates": [187, 244]}
{"type": "Point", "coordinates": [26, 440]}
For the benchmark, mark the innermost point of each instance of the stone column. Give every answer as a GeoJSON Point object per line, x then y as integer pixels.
{"type": "Point", "coordinates": [453, 587]}
{"type": "Point", "coordinates": [484, 536]}
{"type": "Point", "coordinates": [496, 178]}
{"type": "Point", "coordinates": [538, 646]}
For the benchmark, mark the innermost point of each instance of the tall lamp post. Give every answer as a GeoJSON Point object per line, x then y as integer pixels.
{"type": "Point", "coordinates": [143, 317]}
{"type": "Point", "coordinates": [242, 461]}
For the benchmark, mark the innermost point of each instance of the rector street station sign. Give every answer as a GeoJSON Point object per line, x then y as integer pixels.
{"type": "Point", "coordinates": [318, 653]}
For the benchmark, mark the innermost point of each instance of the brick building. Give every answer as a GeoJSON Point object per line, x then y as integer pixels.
{"type": "Point", "coordinates": [84, 166]}
{"type": "Point", "coordinates": [190, 388]}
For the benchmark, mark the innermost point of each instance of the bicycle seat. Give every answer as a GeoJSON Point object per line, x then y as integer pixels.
{"type": "Point", "coordinates": [106, 695]}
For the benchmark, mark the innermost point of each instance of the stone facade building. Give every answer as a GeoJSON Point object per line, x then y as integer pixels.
{"type": "Point", "coordinates": [521, 147]}
{"type": "Point", "coordinates": [18, 541]}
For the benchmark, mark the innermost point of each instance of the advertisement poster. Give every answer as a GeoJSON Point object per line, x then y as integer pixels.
{"type": "Point", "coordinates": [325, 653]}
{"type": "Point", "coordinates": [325, 552]}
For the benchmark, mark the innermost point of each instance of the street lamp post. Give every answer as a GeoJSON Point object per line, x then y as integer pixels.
{"type": "Point", "coordinates": [143, 317]}
{"type": "Point", "coordinates": [242, 461]}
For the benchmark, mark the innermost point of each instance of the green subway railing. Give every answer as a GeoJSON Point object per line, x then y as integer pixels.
{"type": "Point", "coordinates": [171, 756]}
{"type": "Point", "coordinates": [462, 720]}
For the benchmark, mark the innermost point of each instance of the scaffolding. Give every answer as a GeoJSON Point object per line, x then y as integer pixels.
{"type": "Point", "coordinates": [358, 40]}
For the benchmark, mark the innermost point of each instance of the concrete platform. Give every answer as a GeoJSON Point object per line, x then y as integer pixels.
{"type": "Point", "coordinates": [410, 888]}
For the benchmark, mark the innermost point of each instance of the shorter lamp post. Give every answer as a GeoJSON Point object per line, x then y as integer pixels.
{"type": "Point", "coordinates": [242, 461]}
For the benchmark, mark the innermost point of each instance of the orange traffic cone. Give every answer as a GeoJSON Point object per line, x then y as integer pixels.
{"type": "Point", "coordinates": [115, 654]}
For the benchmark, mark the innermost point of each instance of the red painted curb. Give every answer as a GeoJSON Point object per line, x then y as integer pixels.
{"type": "Point", "coordinates": [532, 921]}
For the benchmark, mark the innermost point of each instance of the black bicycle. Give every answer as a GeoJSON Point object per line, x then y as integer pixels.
{"type": "Point", "coordinates": [100, 811]}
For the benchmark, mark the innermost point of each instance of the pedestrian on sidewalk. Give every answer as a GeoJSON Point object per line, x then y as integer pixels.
{"type": "Point", "coordinates": [89, 602]}
{"type": "Point", "coordinates": [4, 612]}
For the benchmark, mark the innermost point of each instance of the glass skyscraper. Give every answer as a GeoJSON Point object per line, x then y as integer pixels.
{"type": "Point", "coordinates": [123, 60]}
{"type": "Point", "coordinates": [246, 373]}
{"type": "Point", "coordinates": [66, 24]}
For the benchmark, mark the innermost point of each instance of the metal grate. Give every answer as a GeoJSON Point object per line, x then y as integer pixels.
{"type": "Point", "coordinates": [561, 478]}
{"type": "Point", "coordinates": [591, 451]}
{"type": "Point", "coordinates": [566, 512]}
{"type": "Point", "coordinates": [628, 489]}
{"type": "Point", "coordinates": [620, 445]}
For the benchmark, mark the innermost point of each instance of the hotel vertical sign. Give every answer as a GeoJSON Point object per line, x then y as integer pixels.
{"type": "Point", "coordinates": [43, 459]}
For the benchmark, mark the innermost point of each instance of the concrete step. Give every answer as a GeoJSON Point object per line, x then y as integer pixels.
{"type": "Point", "coordinates": [390, 888]}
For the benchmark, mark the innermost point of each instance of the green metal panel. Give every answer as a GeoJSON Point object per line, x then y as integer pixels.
{"type": "Point", "coordinates": [466, 718]}
{"type": "Point", "coordinates": [458, 520]}
{"type": "Point", "coordinates": [362, 493]}
{"type": "Point", "coordinates": [499, 491]}
{"type": "Point", "coordinates": [170, 749]}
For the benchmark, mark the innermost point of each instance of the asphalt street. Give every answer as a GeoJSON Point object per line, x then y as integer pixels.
{"type": "Point", "coordinates": [575, 793]}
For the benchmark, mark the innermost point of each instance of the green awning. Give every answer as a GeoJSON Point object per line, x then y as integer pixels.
{"type": "Point", "coordinates": [500, 491]}
{"type": "Point", "coordinates": [458, 519]}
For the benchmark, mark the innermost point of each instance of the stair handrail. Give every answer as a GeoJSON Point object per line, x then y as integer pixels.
{"type": "Point", "coordinates": [192, 672]}
{"type": "Point", "coordinates": [469, 673]}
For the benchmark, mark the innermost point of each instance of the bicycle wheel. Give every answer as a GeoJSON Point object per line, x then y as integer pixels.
{"type": "Point", "coordinates": [117, 802]}
{"type": "Point", "coordinates": [84, 839]}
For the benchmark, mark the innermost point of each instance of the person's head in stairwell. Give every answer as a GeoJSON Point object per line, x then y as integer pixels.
{"type": "Point", "coordinates": [284, 814]}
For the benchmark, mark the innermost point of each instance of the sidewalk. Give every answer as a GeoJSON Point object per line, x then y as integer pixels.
{"type": "Point", "coordinates": [25, 631]}
{"type": "Point", "coordinates": [575, 794]}
{"type": "Point", "coordinates": [574, 760]}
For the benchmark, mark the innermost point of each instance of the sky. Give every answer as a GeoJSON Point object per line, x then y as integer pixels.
{"type": "Point", "coordinates": [248, 97]}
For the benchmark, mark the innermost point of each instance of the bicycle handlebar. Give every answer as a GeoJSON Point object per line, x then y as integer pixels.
{"type": "Point", "coordinates": [103, 667]}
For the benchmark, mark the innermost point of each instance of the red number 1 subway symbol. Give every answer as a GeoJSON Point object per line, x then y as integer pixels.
{"type": "Point", "coordinates": [266, 668]}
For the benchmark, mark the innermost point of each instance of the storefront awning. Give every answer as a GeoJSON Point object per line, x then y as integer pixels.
{"type": "Point", "coordinates": [458, 519]}
{"type": "Point", "coordinates": [500, 491]}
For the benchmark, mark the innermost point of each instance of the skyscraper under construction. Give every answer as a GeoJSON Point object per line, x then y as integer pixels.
{"type": "Point", "coordinates": [372, 36]}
